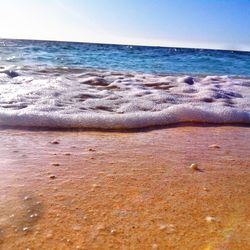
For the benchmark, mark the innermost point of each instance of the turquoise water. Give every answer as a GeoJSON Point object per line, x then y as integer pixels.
{"type": "Point", "coordinates": [125, 58]}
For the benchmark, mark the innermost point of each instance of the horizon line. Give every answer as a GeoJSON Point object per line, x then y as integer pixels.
{"type": "Point", "coordinates": [128, 44]}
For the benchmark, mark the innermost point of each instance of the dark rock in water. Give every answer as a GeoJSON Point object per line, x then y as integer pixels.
{"type": "Point", "coordinates": [11, 73]}
{"type": "Point", "coordinates": [189, 80]}
{"type": "Point", "coordinates": [207, 99]}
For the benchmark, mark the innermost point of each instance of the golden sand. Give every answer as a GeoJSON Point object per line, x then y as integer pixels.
{"type": "Point", "coordinates": [111, 190]}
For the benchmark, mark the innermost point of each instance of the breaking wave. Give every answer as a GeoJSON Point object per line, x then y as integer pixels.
{"type": "Point", "coordinates": [87, 98]}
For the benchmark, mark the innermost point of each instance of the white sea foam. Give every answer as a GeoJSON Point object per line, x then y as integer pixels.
{"type": "Point", "coordinates": [72, 98]}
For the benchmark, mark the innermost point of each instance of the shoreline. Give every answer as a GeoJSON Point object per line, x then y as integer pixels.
{"type": "Point", "coordinates": [125, 190]}
{"type": "Point", "coordinates": [129, 130]}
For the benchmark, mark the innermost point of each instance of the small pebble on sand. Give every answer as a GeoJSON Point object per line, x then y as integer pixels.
{"type": "Point", "coordinates": [92, 150]}
{"type": "Point", "coordinates": [26, 198]}
{"type": "Point", "coordinates": [25, 229]}
{"type": "Point", "coordinates": [67, 154]}
{"type": "Point", "coordinates": [49, 235]}
{"type": "Point", "coordinates": [163, 227]}
{"type": "Point", "coordinates": [169, 227]}
{"type": "Point", "coordinates": [96, 185]}
{"type": "Point", "coordinates": [100, 227]}
{"type": "Point", "coordinates": [214, 146]}
{"type": "Point", "coordinates": [52, 176]}
{"type": "Point", "coordinates": [33, 215]}
{"type": "Point", "coordinates": [55, 164]}
{"type": "Point", "coordinates": [77, 228]}
{"type": "Point", "coordinates": [194, 166]}
{"type": "Point", "coordinates": [113, 231]}
{"type": "Point", "coordinates": [155, 247]}
{"type": "Point", "coordinates": [210, 219]}
{"type": "Point", "coordinates": [54, 142]}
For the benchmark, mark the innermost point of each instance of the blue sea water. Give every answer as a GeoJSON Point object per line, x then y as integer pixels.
{"type": "Point", "coordinates": [79, 85]}
{"type": "Point", "coordinates": [125, 58]}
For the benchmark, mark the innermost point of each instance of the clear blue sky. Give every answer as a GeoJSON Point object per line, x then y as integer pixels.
{"type": "Point", "coordinates": [187, 23]}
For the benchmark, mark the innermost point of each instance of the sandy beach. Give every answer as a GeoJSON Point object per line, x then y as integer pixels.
{"type": "Point", "coordinates": [125, 125]}
{"type": "Point", "coordinates": [131, 190]}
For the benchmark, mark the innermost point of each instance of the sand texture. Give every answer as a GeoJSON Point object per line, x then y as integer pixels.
{"type": "Point", "coordinates": [137, 190]}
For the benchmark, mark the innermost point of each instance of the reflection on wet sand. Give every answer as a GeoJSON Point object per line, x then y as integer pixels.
{"type": "Point", "coordinates": [176, 188]}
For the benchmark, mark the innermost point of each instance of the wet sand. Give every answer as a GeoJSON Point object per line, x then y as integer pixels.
{"type": "Point", "coordinates": [111, 190]}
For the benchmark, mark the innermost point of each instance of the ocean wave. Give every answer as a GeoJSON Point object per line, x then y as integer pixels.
{"type": "Point", "coordinates": [85, 98]}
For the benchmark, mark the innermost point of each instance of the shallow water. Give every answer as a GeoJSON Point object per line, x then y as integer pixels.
{"type": "Point", "coordinates": [37, 89]}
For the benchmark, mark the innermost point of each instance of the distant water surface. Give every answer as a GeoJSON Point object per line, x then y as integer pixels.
{"type": "Point", "coordinates": [125, 58]}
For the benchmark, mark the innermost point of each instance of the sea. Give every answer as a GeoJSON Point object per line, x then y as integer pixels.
{"type": "Point", "coordinates": [50, 84]}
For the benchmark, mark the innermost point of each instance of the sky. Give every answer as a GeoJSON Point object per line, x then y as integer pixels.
{"type": "Point", "coordinates": [218, 24]}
